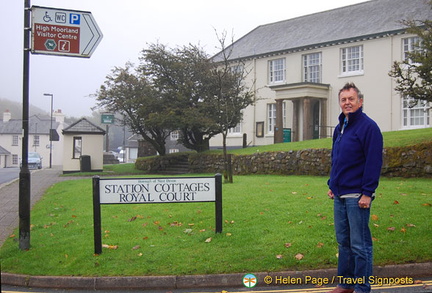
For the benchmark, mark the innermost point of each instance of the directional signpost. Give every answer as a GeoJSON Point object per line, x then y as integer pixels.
{"type": "Point", "coordinates": [64, 32]}
{"type": "Point", "coordinates": [50, 31]}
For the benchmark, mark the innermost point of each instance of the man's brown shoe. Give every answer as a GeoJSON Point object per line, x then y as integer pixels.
{"type": "Point", "coordinates": [341, 290]}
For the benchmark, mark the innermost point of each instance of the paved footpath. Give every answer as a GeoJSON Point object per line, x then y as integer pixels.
{"type": "Point", "coordinates": [41, 180]}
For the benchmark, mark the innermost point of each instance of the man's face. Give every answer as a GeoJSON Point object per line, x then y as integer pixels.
{"type": "Point", "coordinates": [349, 101]}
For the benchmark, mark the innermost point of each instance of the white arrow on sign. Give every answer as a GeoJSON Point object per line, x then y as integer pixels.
{"type": "Point", "coordinates": [74, 33]}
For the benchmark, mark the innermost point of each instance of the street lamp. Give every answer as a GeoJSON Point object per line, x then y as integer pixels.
{"type": "Point", "coordinates": [50, 132]}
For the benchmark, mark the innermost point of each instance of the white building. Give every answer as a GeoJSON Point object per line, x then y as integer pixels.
{"type": "Point", "coordinates": [39, 139]}
{"type": "Point", "coordinates": [297, 66]}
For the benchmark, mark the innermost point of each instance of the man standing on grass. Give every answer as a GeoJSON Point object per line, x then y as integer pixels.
{"type": "Point", "coordinates": [355, 171]}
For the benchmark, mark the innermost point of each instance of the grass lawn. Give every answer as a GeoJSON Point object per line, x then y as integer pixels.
{"type": "Point", "coordinates": [391, 139]}
{"type": "Point", "coordinates": [271, 223]}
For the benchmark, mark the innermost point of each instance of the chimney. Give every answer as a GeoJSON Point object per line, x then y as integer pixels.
{"type": "Point", "coordinates": [7, 116]}
{"type": "Point", "coordinates": [59, 116]}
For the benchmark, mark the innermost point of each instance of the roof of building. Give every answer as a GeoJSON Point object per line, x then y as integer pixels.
{"type": "Point", "coordinates": [364, 20]}
{"type": "Point", "coordinates": [83, 126]}
{"type": "Point", "coordinates": [4, 151]}
{"type": "Point", "coordinates": [37, 125]}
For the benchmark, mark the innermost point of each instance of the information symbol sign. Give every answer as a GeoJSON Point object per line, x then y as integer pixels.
{"type": "Point", "coordinates": [50, 44]}
{"type": "Point", "coordinates": [64, 46]}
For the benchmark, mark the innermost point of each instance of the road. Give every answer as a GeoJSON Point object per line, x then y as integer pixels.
{"type": "Point", "coordinates": [424, 287]}
{"type": "Point", "coordinates": [8, 174]}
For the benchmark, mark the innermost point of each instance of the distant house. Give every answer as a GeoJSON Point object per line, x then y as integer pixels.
{"type": "Point", "coordinates": [83, 147]}
{"type": "Point", "coordinates": [136, 146]}
{"type": "Point", "coordinates": [4, 157]}
{"type": "Point", "coordinates": [39, 138]}
{"type": "Point", "coordinates": [296, 67]}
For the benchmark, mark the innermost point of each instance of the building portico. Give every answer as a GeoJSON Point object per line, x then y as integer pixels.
{"type": "Point", "coordinates": [309, 113]}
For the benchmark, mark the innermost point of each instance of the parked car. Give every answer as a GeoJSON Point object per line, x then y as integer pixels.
{"type": "Point", "coordinates": [34, 160]}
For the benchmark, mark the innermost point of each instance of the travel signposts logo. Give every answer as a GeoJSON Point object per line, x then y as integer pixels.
{"type": "Point", "coordinates": [250, 280]}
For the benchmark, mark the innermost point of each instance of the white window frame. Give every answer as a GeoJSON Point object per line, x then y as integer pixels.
{"type": "Point", "coordinates": [271, 118]}
{"type": "Point", "coordinates": [277, 71]}
{"type": "Point", "coordinates": [352, 60]}
{"type": "Point", "coordinates": [15, 160]}
{"type": "Point", "coordinates": [15, 140]}
{"type": "Point", "coordinates": [235, 130]}
{"type": "Point", "coordinates": [410, 45]}
{"type": "Point", "coordinates": [312, 67]}
{"type": "Point", "coordinates": [415, 114]}
{"type": "Point", "coordinates": [36, 140]}
{"type": "Point", "coordinates": [174, 135]}
{"type": "Point", "coordinates": [77, 147]}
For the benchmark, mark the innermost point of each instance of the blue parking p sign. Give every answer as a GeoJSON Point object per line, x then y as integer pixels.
{"type": "Point", "coordinates": [74, 18]}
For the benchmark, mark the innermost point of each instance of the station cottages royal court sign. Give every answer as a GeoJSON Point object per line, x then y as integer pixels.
{"type": "Point", "coordinates": [64, 32]}
{"type": "Point", "coordinates": [154, 190]}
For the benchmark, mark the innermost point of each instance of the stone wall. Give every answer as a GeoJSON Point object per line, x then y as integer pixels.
{"type": "Point", "coordinates": [412, 161]}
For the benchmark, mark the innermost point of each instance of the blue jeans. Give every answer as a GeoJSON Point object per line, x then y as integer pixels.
{"type": "Point", "coordinates": [355, 244]}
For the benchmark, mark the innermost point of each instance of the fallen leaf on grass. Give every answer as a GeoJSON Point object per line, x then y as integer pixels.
{"type": "Point", "coordinates": [188, 231]}
{"type": "Point", "coordinates": [426, 204]}
{"type": "Point", "coordinates": [132, 219]}
{"type": "Point", "coordinates": [374, 239]}
{"type": "Point", "coordinates": [176, 224]}
{"type": "Point", "coordinates": [403, 230]}
{"type": "Point", "coordinates": [410, 225]}
{"type": "Point", "coordinates": [320, 244]}
{"type": "Point", "coordinates": [228, 234]}
{"type": "Point", "coordinates": [288, 244]}
{"type": "Point", "coordinates": [374, 218]}
{"type": "Point", "coordinates": [391, 228]}
{"type": "Point", "coordinates": [110, 246]}
{"type": "Point", "coordinates": [299, 256]}
{"type": "Point", "coordinates": [279, 256]}
{"type": "Point", "coordinates": [12, 236]}
{"type": "Point", "coordinates": [136, 247]}
{"type": "Point", "coordinates": [208, 240]}
{"type": "Point", "coordinates": [395, 202]}
{"type": "Point", "coordinates": [68, 223]}
{"type": "Point", "coordinates": [376, 225]}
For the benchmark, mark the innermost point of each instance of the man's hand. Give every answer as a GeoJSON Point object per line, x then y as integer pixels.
{"type": "Point", "coordinates": [330, 194]}
{"type": "Point", "coordinates": [364, 202]}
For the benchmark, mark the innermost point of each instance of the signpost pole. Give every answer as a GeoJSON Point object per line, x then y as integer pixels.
{"type": "Point", "coordinates": [218, 202]}
{"type": "Point", "coordinates": [97, 226]}
{"type": "Point", "coordinates": [24, 176]}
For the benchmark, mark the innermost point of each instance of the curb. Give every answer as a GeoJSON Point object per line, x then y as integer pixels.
{"type": "Point", "coordinates": [198, 281]}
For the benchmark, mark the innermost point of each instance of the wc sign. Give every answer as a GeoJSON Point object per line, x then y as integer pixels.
{"type": "Point", "coordinates": [63, 32]}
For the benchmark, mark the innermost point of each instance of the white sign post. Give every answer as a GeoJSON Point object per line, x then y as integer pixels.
{"type": "Point", "coordinates": [64, 32]}
{"type": "Point", "coordinates": [154, 190]}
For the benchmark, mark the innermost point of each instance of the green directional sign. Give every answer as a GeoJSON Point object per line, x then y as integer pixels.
{"type": "Point", "coordinates": [50, 44]}
{"type": "Point", "coordinates": [107, 118]}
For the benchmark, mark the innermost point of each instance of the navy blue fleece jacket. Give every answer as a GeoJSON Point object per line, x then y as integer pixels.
{"type": "Point", "coordinates": [356, 155]}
